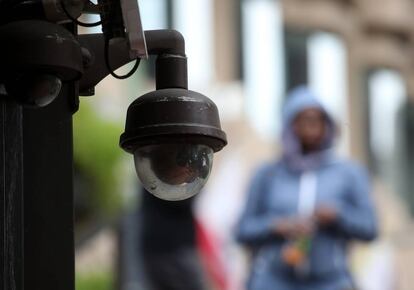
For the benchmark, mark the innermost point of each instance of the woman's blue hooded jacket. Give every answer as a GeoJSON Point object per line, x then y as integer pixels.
{"type": "Point", "coordinates": [274, 195]}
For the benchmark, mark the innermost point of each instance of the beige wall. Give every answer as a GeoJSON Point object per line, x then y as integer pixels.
{"type": "Point", "coordinates": [377, 34]}
{"type": "Point", "coordinates": [226, 42]}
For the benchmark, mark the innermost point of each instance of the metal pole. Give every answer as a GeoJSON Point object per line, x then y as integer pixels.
{"type": "Point", "coordinates": [36, 183]}
{"type": "Point", "coordinates": [48, 194]}
{"type": "Point", "coordinates": [11, 197]}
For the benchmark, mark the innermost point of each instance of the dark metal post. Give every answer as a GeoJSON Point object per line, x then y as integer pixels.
{"type": "Point", "coordinates": [48, 195]}
{"type": "Point", "coordinates": [11, 197]}
{"type": "Point", "coordinates": [36, 183]}
{"type": "Point", "coordinates": [36, 196]}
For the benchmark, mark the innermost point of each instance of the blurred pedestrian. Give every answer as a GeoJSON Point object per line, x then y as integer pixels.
{"type": "Point", "coordinates": [305, 208]}
{"type": "Point", "coordinates": [169, 250]}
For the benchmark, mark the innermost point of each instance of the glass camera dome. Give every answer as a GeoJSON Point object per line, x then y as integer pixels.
{"type": "Point", "coordinates": [173, 171]}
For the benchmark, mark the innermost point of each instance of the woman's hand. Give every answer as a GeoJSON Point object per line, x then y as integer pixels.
{"type": "Point", "coordinates": [326, 215]}
{"type": "Point", "coordinates": [291, 228]}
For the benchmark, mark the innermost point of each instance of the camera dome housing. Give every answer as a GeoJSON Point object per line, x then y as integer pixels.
{"type": "Point", "coordinates": [30, 75]}
{"type": "Point", "coordinates": [173, 134]}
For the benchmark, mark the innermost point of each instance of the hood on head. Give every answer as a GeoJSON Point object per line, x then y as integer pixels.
{"type": "Point", "coordinates": [299, 100]}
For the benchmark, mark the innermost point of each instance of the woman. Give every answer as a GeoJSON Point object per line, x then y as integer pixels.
{"type": "Point", "coordinates": [304, 209]}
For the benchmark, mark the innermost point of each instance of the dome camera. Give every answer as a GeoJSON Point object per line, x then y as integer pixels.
{"type": "Point", "coordinates": [29, 75]}
{"type": "Point", "coordinates": [34, 90]}
{"type": "Point", "coordinates": [173, 134]}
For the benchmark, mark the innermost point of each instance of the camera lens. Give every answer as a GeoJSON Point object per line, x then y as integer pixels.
{"type": "Point", "coordinates": [173, 171]}
{"type": "Point", "coordinates": [34, 90]}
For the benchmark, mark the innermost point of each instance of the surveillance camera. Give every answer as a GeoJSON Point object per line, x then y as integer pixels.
{"type": "Point", "coordinates": [29, 75]}
{"type": "Point", "coordinates": [173, 134]}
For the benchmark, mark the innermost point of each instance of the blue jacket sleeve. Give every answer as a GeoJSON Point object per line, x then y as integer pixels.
{"type": "Point", "coordinates": [357, 218]}
{"type": "Point", "coordinates": [255, 224]}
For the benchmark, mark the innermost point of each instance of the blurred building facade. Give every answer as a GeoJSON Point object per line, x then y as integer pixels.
{"type": "Point", "coordinates": [358, 55]}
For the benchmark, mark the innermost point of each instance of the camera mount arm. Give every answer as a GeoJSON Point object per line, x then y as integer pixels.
{"type": "Point", "coordinates": [168, 45]}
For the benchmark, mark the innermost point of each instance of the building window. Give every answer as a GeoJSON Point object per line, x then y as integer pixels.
{"type": "Point", "coordinates": [391, 127]}
{"type": "Point", "coordinates": [263, 65]}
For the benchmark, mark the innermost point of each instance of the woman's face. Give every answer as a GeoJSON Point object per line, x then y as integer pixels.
{"type": "Point", "coordinates": [310, 127]}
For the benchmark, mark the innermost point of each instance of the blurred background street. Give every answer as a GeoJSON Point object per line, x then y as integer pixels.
{"type": "Point", "coordinates": [357, 55]}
